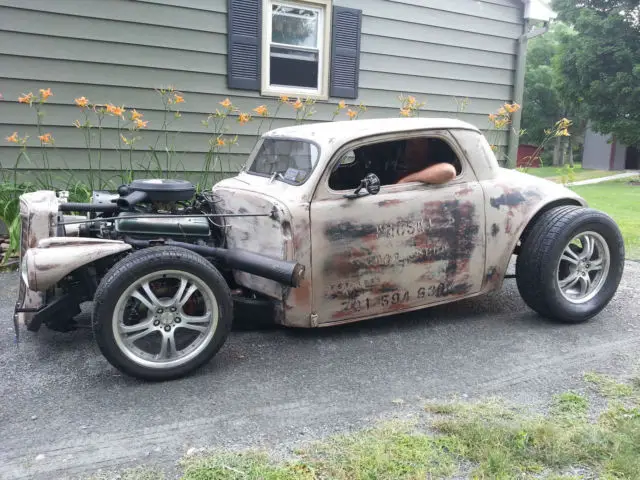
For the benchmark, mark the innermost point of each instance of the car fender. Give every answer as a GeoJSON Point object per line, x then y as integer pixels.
{"type": "Point", "coordinates": [56, 257]}
{"type": "Point", "coordinates": [513, 201]}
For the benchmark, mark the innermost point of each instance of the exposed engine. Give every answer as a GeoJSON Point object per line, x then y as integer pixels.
{"type": "Point", "coordinates": [149, 210]}
{"type": "Point", "coordinates": [67, 248]}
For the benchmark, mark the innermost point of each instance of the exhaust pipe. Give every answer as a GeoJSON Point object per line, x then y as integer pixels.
{"type": "Point", "coordinates": [281, 271]}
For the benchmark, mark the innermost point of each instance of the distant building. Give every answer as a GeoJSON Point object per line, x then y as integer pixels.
{"type": "Point", "coordinates": [604, 152]}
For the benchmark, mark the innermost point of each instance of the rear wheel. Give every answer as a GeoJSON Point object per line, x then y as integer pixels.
{"type": "Point", "coordinates": [571, 263]}
{"type": "Point", "coordinates": [162, 312]}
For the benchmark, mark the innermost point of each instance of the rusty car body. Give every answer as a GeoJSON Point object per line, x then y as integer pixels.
{"type": "Point", "coordinates": [307, 254]}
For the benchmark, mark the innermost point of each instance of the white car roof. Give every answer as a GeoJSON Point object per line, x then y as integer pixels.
{"type": "Point", "coordinates": [347, 130]}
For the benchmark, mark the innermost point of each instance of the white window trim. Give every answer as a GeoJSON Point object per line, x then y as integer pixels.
{"type": "Point", "coordinates": [322, 93]}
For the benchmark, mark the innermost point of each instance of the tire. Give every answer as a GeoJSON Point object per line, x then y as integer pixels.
{"type": "Point", "coordinates": [552, 278]}
{"type": "Point", "coordinates": [191, 299]}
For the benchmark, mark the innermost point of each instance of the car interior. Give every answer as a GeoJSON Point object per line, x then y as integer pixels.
{"type": "Point", "coordinates": [385, 159]}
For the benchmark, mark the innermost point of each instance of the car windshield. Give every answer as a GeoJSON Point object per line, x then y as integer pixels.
{"type": "Point", "coordinates": [290, 161]}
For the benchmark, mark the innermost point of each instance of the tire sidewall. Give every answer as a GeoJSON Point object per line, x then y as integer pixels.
{"type": "Point", "coordinates": [577, 312]}
{"type": "Point", "coordinates": [136, 266]}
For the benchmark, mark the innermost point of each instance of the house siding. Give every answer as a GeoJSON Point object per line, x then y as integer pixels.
{"type": "Point", "coordinates": [119, 51]}
{"type": "Point", "coordinates": [600, 153]}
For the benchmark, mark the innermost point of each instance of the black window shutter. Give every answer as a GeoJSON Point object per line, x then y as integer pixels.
{"type": "Point", "coordinates": [244, 33]}
{"type": "Point", "coordinates": [345, 52]}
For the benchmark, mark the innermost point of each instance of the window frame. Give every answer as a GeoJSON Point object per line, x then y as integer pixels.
{"type": "Point", "coordinates": [324, 50]}
{"type": "Point", "coordinates": [258, 147]}
{"type": "Point", "coordinates": [466, 174]}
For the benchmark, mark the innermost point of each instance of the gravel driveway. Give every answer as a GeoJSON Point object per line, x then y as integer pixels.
{"type": "Point", "coordinates": [66, 411]}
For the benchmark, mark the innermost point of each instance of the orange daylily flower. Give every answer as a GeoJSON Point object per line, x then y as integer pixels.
{"type": "Point", "coordinates": [298, 104]}
{"type": "Point", "coordinates": [342, 104]}
{"type": "Point", "coordinates": [141, 124]}
{"type": "Point", "coordinates": [493, 117]}
{"type": "Point", "coordinates": [512, 108]}
{"type": "Point", "coordinates": [351, 113]}
{"type": "Point", "coordinates": [178, 98]}
{"type": "Point", "coordinates": [46, 138]}
{"type": "Point", "coordinates": [44, 94]}
{"type": "Point", "coordinates": [244, 118]}
{"type": "Point", "coordinates": [405, 112]}
{"type": "Point", "coordinates": [13, 138]}
{"type": "Point", "coordinates": [411, 100]}
{"type": "Point", "coordinates": [502, 111]}
{"type": "Point", "coordinates": [226, 103]}
{"type": "Point", "coordinates": [115, 111]}
{"type": "Point", "coordinates": [261, 110]}
{"type": "Point", "coordinates": [284, 98]}
{"type": "Point", "coordinates": [28, 98]}
{"type": "Point", "coordinates": [220, 142]}
{"type": "Point", "coordinates": [82, 101]}
{"type": "Point", "coordinates": [136, 115]}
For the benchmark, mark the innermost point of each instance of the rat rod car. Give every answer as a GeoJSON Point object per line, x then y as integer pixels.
{"type": "Point", "coordinates": [314, 231]}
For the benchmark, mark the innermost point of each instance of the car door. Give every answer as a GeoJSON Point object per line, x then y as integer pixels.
{"type": "Point", "coordinates": [409, 246]}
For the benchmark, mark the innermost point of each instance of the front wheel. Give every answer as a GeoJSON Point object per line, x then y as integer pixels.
{"type": "Point", "coordinates": [161, 312]}
{"type": "Point", "coordinates": [570, 264]}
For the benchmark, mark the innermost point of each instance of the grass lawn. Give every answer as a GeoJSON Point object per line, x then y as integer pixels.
{"type": "Point", "coordinates": [573, 439]}
{"type": "Point", "coordinates": [552, 173]}
{"type": "Point", "coordinates": [621, 200]}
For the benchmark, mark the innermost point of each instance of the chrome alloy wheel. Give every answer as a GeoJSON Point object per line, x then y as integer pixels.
{"type": "Point", "coordinates": [583, 267]}
{"type": "Point", "coordinates": [165, 319]}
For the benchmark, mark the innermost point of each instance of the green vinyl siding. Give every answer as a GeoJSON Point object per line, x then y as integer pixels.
{"type": "Point", "coordinates": [118, 51]}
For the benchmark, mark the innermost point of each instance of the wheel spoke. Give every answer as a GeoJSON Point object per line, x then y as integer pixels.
{"type": "Point", "coordinates": [569, 259]}
{"type": "Point", "coordinates": [202, 319]}
{"type": "Point", "coordinates": [152, 296]}
{"type": "Point", "coordinates": [192, 289]}
{"type": "Point", "coordinates": [138, 336]}
{"type": "Point", "coordinates": [588, 245]}
{"type": "Point", "coordinates": [139, 296]}
{"type": "Point", "coordinates": [585, 283]}
{"type": "Point", "coordinates": [197, 328]}
{"type": "Point", "coordinates": [178, 296]}
{"type": "Point", "coordinates": [168, 346]}
{"type": "Point", "coordinates": [135, 328]}
{"type": "Point", "coordinates": [570, 281]}
{"type": "Point", "coordinates": [570, 256]}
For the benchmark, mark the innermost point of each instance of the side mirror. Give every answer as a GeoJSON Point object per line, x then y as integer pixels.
{"type": "Point", "coordinates": [371, 183]}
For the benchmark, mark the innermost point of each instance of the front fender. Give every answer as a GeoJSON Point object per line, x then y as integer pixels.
{"type": "Point", "coordinates": [56, 257]}
{"type": "Point", "coordinates": [513, 201]}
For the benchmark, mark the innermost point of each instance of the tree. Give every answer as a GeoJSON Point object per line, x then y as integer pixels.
{"type": "Point", "coordinates": [600, 66]}
{"type": "Point", "coordinates": [545, 100]}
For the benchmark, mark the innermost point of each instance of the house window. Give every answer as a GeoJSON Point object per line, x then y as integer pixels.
{"type": "Point", "coordinates": [295, 48]}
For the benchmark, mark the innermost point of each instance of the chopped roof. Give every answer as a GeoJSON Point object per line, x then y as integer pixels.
{"type": "Point", "coordinates": [345, 131]}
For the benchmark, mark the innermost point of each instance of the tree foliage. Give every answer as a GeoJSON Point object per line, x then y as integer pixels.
{"type": "Point", "coordinates": [600, 67]}
{"type": "Point", "coordinates": [544, 102]}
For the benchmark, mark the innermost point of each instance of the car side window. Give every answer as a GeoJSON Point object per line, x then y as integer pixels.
{"type": "Point", "coordinates": [391, 161]}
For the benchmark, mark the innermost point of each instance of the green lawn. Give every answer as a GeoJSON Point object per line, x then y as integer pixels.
{"type": "Point", "coordinates": [555, 173]}
{"type": "Point", "coordinates": [621, 200]}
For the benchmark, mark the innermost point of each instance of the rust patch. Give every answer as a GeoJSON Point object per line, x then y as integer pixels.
{"type": "Point", "coordinates": [466, 190]}
{"type": "Point", "coordinates": [510, 199]}
{"type": "Point", "coordinates": [389, 203]}
{"type": "Point", "coordinates": [350, 231]}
